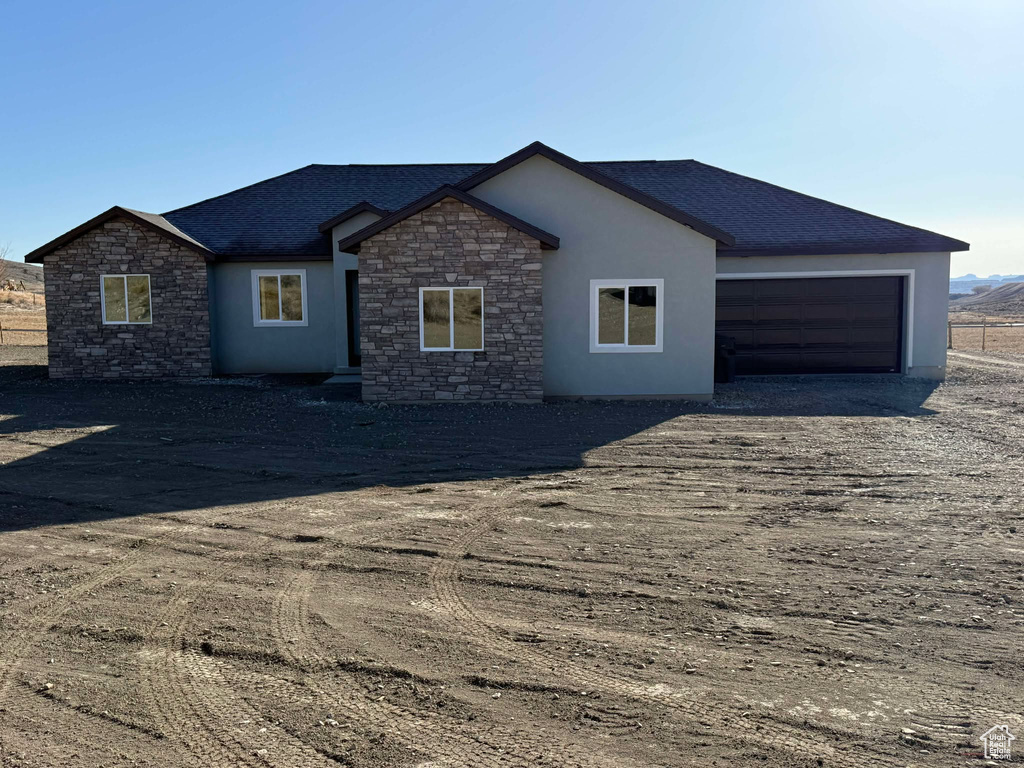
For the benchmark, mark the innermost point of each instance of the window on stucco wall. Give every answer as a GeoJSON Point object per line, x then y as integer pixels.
{"type": "Point", "coordinates": [626, 315]}
{"type": "Point", "coordinates": [279, 297]}
{"type": "Point", "coordinates": [451, 319]}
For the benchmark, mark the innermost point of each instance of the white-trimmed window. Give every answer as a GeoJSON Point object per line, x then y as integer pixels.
{"type": "Point", "coordinates": [626, 315]}
{"type": "Point", "coordinates": [126, 300]}
{"type": "Point", "coordinates": [279, 297]}
{"type": "Point", "coordinates": [451, 319]}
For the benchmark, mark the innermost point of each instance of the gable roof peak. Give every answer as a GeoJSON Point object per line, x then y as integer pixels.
{"type": "Point", "coordinates": [591, 173]}
{"type": "Point", "coordinates": [365, 206]}
{"type": "Point", "coordinates": [351, 243]}
{"type": "Point", "coordinates": [151, 221]}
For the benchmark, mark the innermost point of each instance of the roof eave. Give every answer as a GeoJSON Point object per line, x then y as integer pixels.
{"type": "Point", "coordinates": [270, 256]}
{"type": "Point", "coordinates": [947, 245]}
{"type": "Point", "coordinates": [632, 193]}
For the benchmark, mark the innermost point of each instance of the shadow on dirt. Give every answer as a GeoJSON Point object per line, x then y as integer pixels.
{"type": "Point", "coordinates": [74, 452]}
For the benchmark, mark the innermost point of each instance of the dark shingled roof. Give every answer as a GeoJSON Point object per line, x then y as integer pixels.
{"type": "Point", "coordinates": [281, 216]}
{"type": "Point", "coordinates": [766, 219]}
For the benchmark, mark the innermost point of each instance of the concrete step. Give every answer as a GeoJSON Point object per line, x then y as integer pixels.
{"type": "Point", "coordinates": [345, 378]}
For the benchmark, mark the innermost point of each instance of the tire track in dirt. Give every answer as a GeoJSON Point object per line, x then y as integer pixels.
{"type": "Point", "coordinates": [101, 737]}
{"type": "Point", "coordinates": [20, 640]}
{"type": "Point", "coordinates": [14, 645]}
{"type": "Point", "coordinates": [194, 704]}
{"type": "Point", "coordinates": [449, 742]}
{"type": "Point", "coordinates": [994, 362]}
{"type": "Point", "coordinates": [719, 718]}
{"type": "Point", "coordinates": [935, 707]}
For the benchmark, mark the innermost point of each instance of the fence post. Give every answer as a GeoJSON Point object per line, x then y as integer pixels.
{"type": "Point", "coordinates": [949, 334]}
{"type": "Point", "coordinates": [984, 329]}
{"type": "Point", "coordinates": [1, 333]}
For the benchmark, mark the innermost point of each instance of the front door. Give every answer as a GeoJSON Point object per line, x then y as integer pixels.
{"type": "Point", "coordinates": [352, 301]}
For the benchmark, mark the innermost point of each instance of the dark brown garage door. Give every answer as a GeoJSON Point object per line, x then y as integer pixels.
{"type": "Point", "coordinates": [813, 325]}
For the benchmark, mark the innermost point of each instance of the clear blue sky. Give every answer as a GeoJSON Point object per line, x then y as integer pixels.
{"type": "Point", "coordinates": [911, 110]}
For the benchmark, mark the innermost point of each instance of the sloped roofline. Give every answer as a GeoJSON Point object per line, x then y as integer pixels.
{"type": "Point", "coordinates": [364, 207]}
{"type": "Point", "coordinates": [351, 243]}
{"type": "Point", "coordinates": [838, 248]}
{"type": "Point", "coordinates": [152, 221]}
{"type": "Point", "coordinates": [538, 148]}
{"type": "Point", "coordinates": [259, 183]}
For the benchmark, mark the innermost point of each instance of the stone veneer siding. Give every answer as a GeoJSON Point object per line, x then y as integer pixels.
{"type": "Point", "coordinates": [177, 343]}
{"type": "Point", "coordinates": [451, 244]}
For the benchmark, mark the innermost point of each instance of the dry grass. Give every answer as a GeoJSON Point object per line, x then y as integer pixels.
{"type": "Point", "coordinates": [22, 300]}
{"type": "Point", "coordinates": [958, 317]}
{"type": "Point", "coordinates": [996, 339]}
{"type": "Point", "coordinates": [23, 326]}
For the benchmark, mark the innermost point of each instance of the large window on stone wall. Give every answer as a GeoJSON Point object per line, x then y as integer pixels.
{"type": "Point", "coordinates": [126, 300]}
{"type": "Point", "coordinates": [451, 319]}
{"type": "Point", "coordinates": [279, 297]}
{"type": "Point", "coordinates": [626, 315]}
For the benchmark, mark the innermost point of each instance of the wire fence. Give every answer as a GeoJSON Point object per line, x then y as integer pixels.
{"type": "Point", "coordinates": [12, 336]}
{"type": "Point", "coordinates": [986, 336]}
{"type": "Point", "coordinates": [20, 297]}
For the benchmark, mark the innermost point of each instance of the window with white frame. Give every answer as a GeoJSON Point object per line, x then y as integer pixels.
{"type": "Point", "coordinates": [451, 319]}
{"type": "Point", "coordinates": [626, 315]}
{"type": "Point", "coordinates": [279, 297]}
{"type": "Point", "coordinates": [126, 300]}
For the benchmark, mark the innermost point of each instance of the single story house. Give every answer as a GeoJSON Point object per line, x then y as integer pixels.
{"type": "Point", "coordinates": [537, 276]}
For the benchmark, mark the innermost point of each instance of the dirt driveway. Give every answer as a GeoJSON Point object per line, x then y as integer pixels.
{"type": "Point", "coordinates": [247, 572]}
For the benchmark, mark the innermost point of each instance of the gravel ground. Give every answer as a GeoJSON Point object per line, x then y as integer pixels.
{"type": "Point", "coordinates": [266, 572]}
{"type": "Point", "coordinates": [11, 354]}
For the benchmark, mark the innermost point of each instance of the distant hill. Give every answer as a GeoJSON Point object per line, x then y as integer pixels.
{"type": "Point", "coordinates": [1004, 299]}
{"type": "Point", "coordinates": [968, 282]}
{"type": "Point", "coordinates": [30, 274]}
